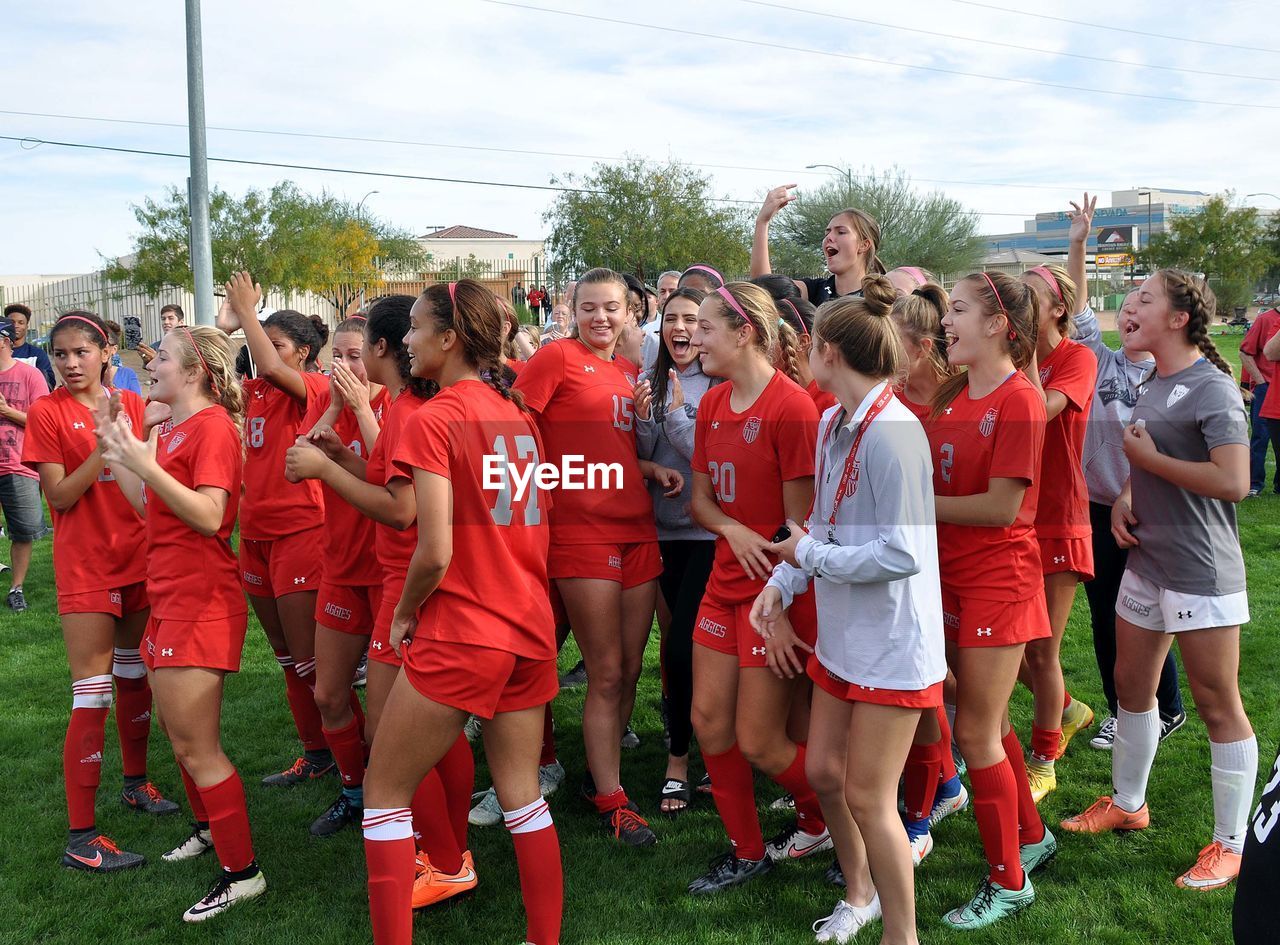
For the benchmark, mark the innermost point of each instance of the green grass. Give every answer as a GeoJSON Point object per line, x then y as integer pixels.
{"type": "Point", "coordinates": [1112, 889]}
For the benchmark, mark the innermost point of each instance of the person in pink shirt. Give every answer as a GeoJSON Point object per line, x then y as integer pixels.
{"type": "Point", "coordinates": [20, 385]}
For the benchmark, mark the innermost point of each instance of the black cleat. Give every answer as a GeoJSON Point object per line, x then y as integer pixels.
{"type": "Point", "coordinates": [628, 826]}
{"type": "Point", "coordinates": [304, 769]}
{"type": "Point", "coordinates": [16, 600]}
{"type": "Point", "coordinates": [835, 875]}
{"type": "Point", "coordinates": [343, 812]}
{"type": "Point", "coordinates": [728, 871]}
{"type": "Point", "coordinates": [147, 799]}
{"type": "Point", "coordinates": [97, 854]}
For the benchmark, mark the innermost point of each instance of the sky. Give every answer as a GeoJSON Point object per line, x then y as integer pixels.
{"type": "Point", "coordinates": [514, 93]}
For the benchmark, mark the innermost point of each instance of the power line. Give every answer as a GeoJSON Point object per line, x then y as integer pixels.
{"type": "Point", "coordinates": [762, 44]}
{"type": "Point", "coordinates": [1114, 29]}
{"type": "Point", "coordinates": [992, 42]}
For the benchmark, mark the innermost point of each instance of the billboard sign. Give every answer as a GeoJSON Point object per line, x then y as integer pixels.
{"type": "Point", "coordinates": [1117, 238]}
{"type": "Point", "coordinates": [1114, 260]}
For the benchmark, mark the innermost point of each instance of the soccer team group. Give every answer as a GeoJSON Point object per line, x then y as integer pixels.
{"type": "Point", "coordinates": [858, 505]}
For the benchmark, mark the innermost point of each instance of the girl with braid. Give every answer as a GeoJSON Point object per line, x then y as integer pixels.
{"type": "Point", "coordinates": [1188, 451]}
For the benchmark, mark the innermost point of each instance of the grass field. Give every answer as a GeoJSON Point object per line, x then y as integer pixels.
{"type": "Point", "coordinates": [1111, 889]}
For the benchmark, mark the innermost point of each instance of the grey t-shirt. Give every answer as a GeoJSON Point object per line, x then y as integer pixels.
{"type": "Point", "coordinates": [1188, 542]}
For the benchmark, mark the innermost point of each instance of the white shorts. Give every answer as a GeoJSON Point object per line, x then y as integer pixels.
{"type": "Point", "coordinates": [1147, 605]}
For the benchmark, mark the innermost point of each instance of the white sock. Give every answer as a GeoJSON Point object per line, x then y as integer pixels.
{"type": "Point", "coordinates": [1132, 753]}
{"type": "Point", "coordinates": [1234, 771]}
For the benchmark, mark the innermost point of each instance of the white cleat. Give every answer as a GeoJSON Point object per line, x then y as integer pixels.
{"type": "Point", "coordinates": [200, 841]}
{"type": "Point", "coordinates": [226, 892]}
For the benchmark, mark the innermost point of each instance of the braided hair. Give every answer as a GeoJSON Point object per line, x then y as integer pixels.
{"type": "Point", "coordinates": [475, 315]}
{"type": "Point", "coordinates": [1187, 293]}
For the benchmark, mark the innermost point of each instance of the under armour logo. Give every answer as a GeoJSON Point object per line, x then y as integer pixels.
{"type": "Point", "coordinates": [377, 645]}
{"type": "Point", "coordinates": [77, 425]}
{"type": "Point", "coordinates": [300, 580]}
{"type": "Point", "coordinates": [1184, 615]}
{"type": "Point", "coordinates": [715, 424]}
{"type": "Point", "coordinates": [167, 651]}
{"type": "Point", "coordinates": [588, 368]}
{"type": "Point", "coordinates": [1059, 559]}
{"type": "Point", "coordinates": [948, 411]}
{"type": "Point", "coordinates": [984, 631]}
{"type": "Point", "coordinates": [757, 651]}
{"type": "Point", "coordinates": [1000, 867]}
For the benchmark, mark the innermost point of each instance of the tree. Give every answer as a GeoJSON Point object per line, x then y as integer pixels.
{"type": "Point", "coordinates": [643, 219]}
{"type": "Point", "coordinates": [930, 230]}
{"type": "Point", "coordinates": [1271, 239]}
{"type": "Point", "coordinates": [289, 240]}
{"type": "Point", "coordinates": [455, 267]}
{"type": "Point", "coordinates": [1223, 243]}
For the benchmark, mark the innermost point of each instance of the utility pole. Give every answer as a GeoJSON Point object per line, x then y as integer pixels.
{"type": "Point", "coordinates": [198, 188]}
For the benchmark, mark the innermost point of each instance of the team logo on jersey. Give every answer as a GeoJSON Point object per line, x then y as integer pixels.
{"type": "Point", "coordinates": [1139, 608]}
{"type": "Point", "coordinates": [588, 368]}
{"type": "Point", "coordinates": [751, 429]}
{"type": "Point", "coordinates": [1179, 391]}
{"type": "Point", "coordinates": [715, 424]}
{"type": "Point", "coordinates": [167, 651]}
{"type": "Point", "coordinates": [1045, 372]}
{"type": "Point", "coordinates": [631, 378]}
{"type": "Point", "coordinates": [299, 580]}
{"type": "Point", "coordinates": [77, 425]}
{"type": "Point", "coordinates": [988, 422]}
{"type": "Point", "coordinates": [757, 651]}
{"type": "Point", "coordinates": [176, 440]}
{"type": "Point", "coordinates": [983, 631]}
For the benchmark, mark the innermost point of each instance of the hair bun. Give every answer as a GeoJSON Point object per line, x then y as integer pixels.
{"type": "Point", "coordinates": [878, 294]}
{"type": "Point", "coordinates": [322, 329]}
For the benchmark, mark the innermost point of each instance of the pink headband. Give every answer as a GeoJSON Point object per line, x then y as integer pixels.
{"type": "Point", "coordinates": [999, 301]}
{"type": "Point", "coordinates": [916, 273]}
{"type": "Point", "coordinates": [453, 291]}
{"type": "Point", "coordinates": [363, 318]}
{"type": "Point", "coordinates": [81, 318]}
{"type": "Point", "coordinates": [804, 332]}
{"type": "Point", "coordinates": [1044, 273]}
{"type": "Point", "coordinates": [733, 303]}
{"type": "Point", "coordinates": [203, 363]}
{"type": "Point", "coordinates": [703, 269]}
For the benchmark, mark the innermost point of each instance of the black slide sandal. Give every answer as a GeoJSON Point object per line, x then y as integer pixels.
{"type": "Point", "coordinates": [675, 789]}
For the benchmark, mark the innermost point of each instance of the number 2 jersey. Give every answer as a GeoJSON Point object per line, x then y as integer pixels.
{"type": "Point", "coordinates": [749, 455]}
{"type": "Point", "coordinates": [274, 507]}
{"type": "Point", "coordinates": [494, 593]}
{"type": "Point", "coordinates": [999, 436]}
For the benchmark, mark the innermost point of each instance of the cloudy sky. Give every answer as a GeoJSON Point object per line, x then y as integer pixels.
{"type": "Point", "coordinates": [516, 93]}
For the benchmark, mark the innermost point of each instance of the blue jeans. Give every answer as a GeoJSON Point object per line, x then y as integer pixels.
{"type": "Point", "coordinates": [1258, 440]}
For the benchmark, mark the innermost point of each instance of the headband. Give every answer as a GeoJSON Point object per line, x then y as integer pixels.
{"type": "Point", "coordinates": [916, 273]}
{"type": "Point", "coordinates": [703, 268]}
{"type": "Point", "coordinates": [363, 318]}
{"type": "Point", "coordinates": [453, 291]}
{"type": "Point", "coordinates": [1047, 275]}
{"type": "Point", "coordinates": [203, 363]}
{"type": "Point", "coordinates": [733, 303]}
{"type": "Point", "coordinates": [87, 321]}
{"type": "Point", "coordinates": [804, 331]}
{"type": "Point", "coordinates": [999, 301]}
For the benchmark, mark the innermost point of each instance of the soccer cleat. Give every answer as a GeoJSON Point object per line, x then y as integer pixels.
{"type": "Point", "coordinates": [362, 673]}
{"type": "Point", "coordinates": [225, 893]}
{"type": "Point", "coordinates": [786, 802]}
{"type": "Point", "coordinates": [944, 807]}
{"type": "Point", "coordinates": [472, 728]}
{"type": "Point", "coordinates": [834, 874]}
{"type": "Point", "coordinates": [575, 677]}
{"type": "Point", "coordinates": [1103, 815]}
{"type": "Point", "coordinates": [845, 921]}
{"type": "Point", "coordinates": [200, 841]}
{"type": "Point", "coordinates": [147, 799]}
{"type": "Point", "coordinates": [549, 778]}
{"type": "Point", "coordinates": [1035, 855]}
{"type": "Point", "coordinates": [1216, 866]}
{"type": "Point", "coordinates": [304, 769]}
{"type": "Point", "coordinates": [1075, 718]}
{"type": "Point", "coordinates": [958, 760]}
{"type": "Point", "coordinates": [97, 854]}
{"type": "Point", "coordinates": [1170, 725]}
{"type": "Point", "coordinates": [488, 812]}
{"type": "Point", "coordinates": [991, 903]}
{"type": "Point", "coordinates": [728, 871]}
{"type": "Point", "coordinates": [921, 847]}
{"type": "Point", "coordinates": [16, 600]}
{"type": "Point", "coordinates": [627, 825]}
{"type": "Point", "coordinates": [795, 844]}
{"type": "Point", "coordinates": [1043, 778]}
{"type": "Point", "coordinates": [343, 812]}
{"type": "Point", "coordinates": [630, 739]}
{"type": "Point", "coordinates": [431, 886]}
{"type": "Point", "coordinates": [1106, 734]}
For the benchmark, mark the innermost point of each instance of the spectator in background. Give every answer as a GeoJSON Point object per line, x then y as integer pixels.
{"type": "Point", "coordinates": [27, 353]}
{"type": "Point", "coordinates": [534, 300]}
{"type": "Point", "coordinates": [557, 325]}
{"type": "Point", "coordinates": [118, 375]}
{"type": "Point", "coordinates": [652, 293]}
{"type": "Point", "coordinates": [20, 385]}
{"type": "Point", "coordinates": [171, 316]}
{"type": "Point", "coordinates": [1261, 370]}
{"type": "Point", "coordinates": [546, 304]}
{"type": "Point", "coordinates": [518, 295]}
{"type": "Point", "coordinates": [667, 283]}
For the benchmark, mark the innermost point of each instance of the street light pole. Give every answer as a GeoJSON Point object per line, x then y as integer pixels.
{"type": "Point", "coordinates": [198, 189]}
{"type": "Point", "coordinates": [848, 178]}
{"type": "Point", "coordinates": [360, 205]}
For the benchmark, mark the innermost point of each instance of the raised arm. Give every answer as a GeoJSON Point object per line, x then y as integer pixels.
{"type": "Point", "coordinates": [1081, 217]}
{"type": "Point", "coordinates": [774, 201]}
{"type": "Point", "coordinates": [243, 298]}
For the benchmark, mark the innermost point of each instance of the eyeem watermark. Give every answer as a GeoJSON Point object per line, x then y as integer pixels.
{"type": "Point", "coordinates": [573, 473]}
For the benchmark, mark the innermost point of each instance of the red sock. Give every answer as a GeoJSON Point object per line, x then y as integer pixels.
{"type": "Point", "coordinates": [541, 872]}
{"type": "Point", "coordinates": [1066, 699]}
{"type": "Point", "coordinates": [1044, 742]}
{"type": "Point", "coordinates": [348, 752]}
{"type": "Point", "coordinates": [923, 764]}
{"type": "Point", "coordinates": [193, 797]}
{"type": "Point", "coordinates": [458, 775]}
{"type": "Point", "coordinates": [357, 709]}
{"type": "Point", "coordinates": [948, 761]}
{"type": "Point", "coordinates": [734, 791]}
{"type": "Point", "coordinates": [388, 850]}
{"type": "Point", "coordinates": [302, 702]}
{"type": "Point", "coordinates": [794, 780]}
{"type": "Point", "coordinates": [431, 824]}
{"type": "Point", "coordinates": [229, 822]}
{"type": "Point", "coordinates": [82, 748]}
{"type": "Point", "coordinates": [608, 803]}
{"type": "Point", "coordinates": [995, 807]}
{"type": "Point", "coordinates": [548, 738]}
{"type": "Point", "coordinates": [133, 711]}
{"type": "Point", "coordinates": [1030, 826]}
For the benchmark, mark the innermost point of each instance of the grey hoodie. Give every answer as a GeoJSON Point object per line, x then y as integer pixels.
{"type": "Point", "coordinates": [670, 444]}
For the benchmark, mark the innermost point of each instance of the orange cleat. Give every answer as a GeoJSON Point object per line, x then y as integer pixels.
{"type": "Point", "coordinates": [1215, 867]}
{"type": "Point", "coordinates": [431, 886]}
{"type": "Point", "coordinates": [1103, 815]}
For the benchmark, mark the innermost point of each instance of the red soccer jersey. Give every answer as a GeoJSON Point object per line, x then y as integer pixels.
{"type": "Point", "coordinates": [1063, 511]}
{"type": "Point", "coordinates": [394, 548]}
{"type": "Point", "coordinates": [921, 411]}
{"type": "Point", "coordinates": [273, 506]}
{"type": "Point", "coordinates": [494, 593]}
{"type": "Point", "coordinates": [516, 365]}
{"type": "Point", "coordinates": [98, 543]}
{"type": "Point", "coordinates": [1000, 436]}
{"type": "Point", "coordinates": [749, 455]}
{"type": "Point", "coordinates": [584, 410]}
{"type": "Point", "coordinates": [349, 558]}
{"type": "Point", "coordinates": [821, 399]}
{"type": "Point", "coordinates": [189, 576]}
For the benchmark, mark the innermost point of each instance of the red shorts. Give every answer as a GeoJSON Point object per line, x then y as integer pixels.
{"type": "Point", "coordinates": [282, 566]}
{"type": "Point", "coordinates": [827, 681]}
{"type": "Point", "coordinates": [208, 644]}
{"type": "Point", "coordinates": [116, 601]}
{"type": "Point", "coordinates": [629, 565]}
{"type": "Point", "coordinates": [967, 621]}
{"type": "Point", "coordinates": [348, 608]}
{"type": "Point", "coordinates": [1059, 555]}
{"type": "Point", "coordinates": [380, 642]}
{"type": "Point", "coordinates": [478, 679]}
{"type": "Point", "coordinates": [726, 628]}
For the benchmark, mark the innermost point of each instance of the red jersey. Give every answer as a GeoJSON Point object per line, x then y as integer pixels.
{"type": "Point", "coordinates": [349, 558]}
{"type": "Point", "coordinates": [1264, 326]}
{"type": "Point", "coordinates": [516, 365]}
{"type": "Point", "coordinates": [98, 543]}
{"type": "Point", "coordinates": [394, 548]}
{"type": "Point", "coordinates": [749, 455]}
{"type": "Point", "coordinates": [494, 592]}
{"type": "Point", "coordinates": [1063, 512]}
{"type": "Point", "coordinates": [584, 410]}
{"type": "Point", "coordinates": [922, 411]}
{"type": "Point", "coordinates": [273, 506]}
{"type": "Point", "coordinates": [821, 399]}
{"type": "Point", "coordinates": [189, 576]}
{"type": "Point", "coordinates": [1000, 436]}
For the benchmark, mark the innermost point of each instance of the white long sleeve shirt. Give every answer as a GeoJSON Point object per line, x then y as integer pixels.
{"type": "Point", "coordinates": [879, 597]}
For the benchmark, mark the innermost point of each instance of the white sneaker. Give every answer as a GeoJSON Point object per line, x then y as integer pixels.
{"type": "Point", "coordinates": [549, 778]}
{"type": "Point", "coordinates": [487, 813]}
{"type": "Point", "coordinates": [921, 847]}
{"type": "Point", "coordinates": [945, 808]}
{"type": "Point", "coordinates": [1106, 734]}
{"type": "Point", "coordinates": [843, 924]}
{"type": "Point", "coordinates": [200, 841]}
{"type": "Point", "coordinates": [794, 844]}
{"type": "Point", "coordinates": [472, 728]}
{"type": "Point", "coordinates": [226, 893]}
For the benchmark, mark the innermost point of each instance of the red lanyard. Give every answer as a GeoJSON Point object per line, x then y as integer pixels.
{"type": "Point", "coordinates": [849, 478]}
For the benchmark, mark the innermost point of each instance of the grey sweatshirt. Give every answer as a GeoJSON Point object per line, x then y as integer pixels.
{"type": "Point", "coordinates": [670, 444]}
{"type": "Point", "coordinates": [1105, 467]}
